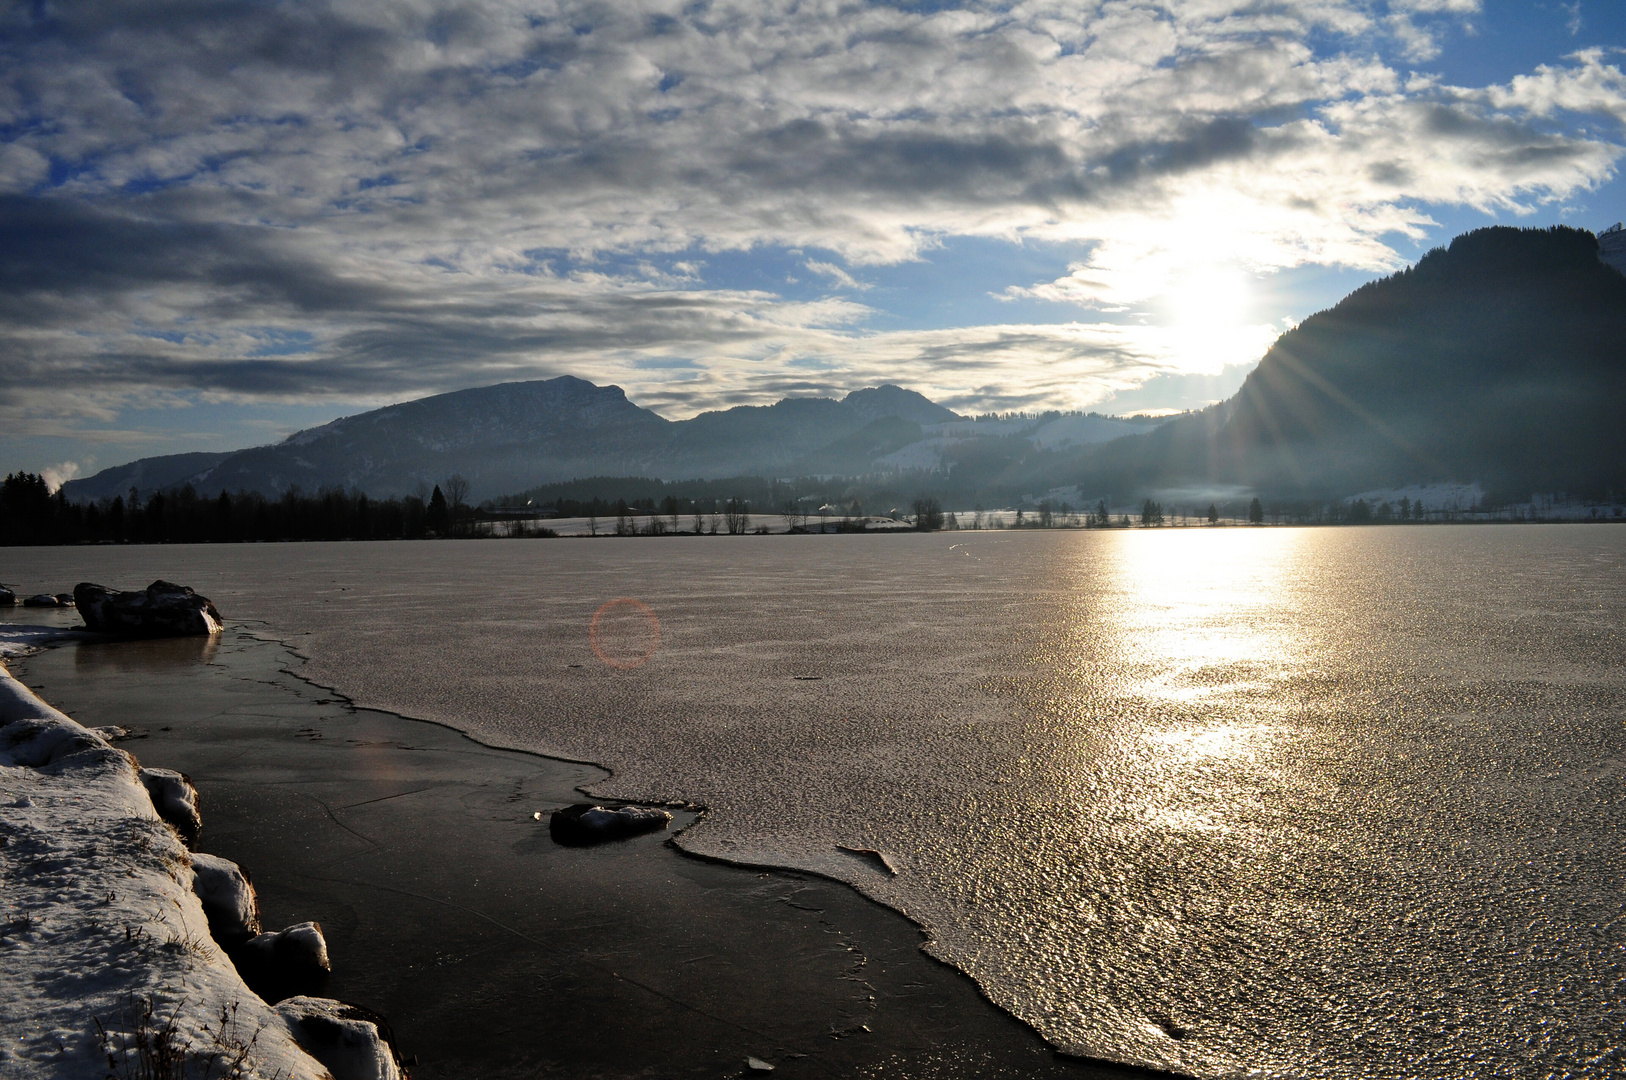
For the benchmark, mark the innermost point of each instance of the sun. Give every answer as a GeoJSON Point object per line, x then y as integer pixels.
{"type": "Point", "coordinates": [1208, 317]}
{"type": "Point", "coordinates": [1209, 296]}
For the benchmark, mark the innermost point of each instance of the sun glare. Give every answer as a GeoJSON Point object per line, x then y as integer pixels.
{"type": "Point", "coordinates": [1207, 315]}
{"type": "Point", "coordinates": [1209, 297]}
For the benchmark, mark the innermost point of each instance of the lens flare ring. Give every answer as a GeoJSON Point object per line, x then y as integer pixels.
{"type": "Point", "coordinates": [610, 607]}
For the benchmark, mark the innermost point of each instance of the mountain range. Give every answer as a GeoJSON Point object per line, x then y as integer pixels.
{"type": "Point", "coordinates": [513, 436]}
{"type": "Point", "coordinates": [1500, 359]}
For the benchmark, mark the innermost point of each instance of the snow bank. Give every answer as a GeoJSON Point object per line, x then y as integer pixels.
{"type": "Point", "coordinates": [104, 947]}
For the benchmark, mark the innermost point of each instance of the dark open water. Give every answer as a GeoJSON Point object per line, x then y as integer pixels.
{"type": "Point", "coordinates": [1285, 802]}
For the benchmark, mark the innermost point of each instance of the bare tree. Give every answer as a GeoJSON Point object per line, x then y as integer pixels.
{"type": "Point", "coordinates": [457, 494]}
{"type": "Point", "coordinates": [457, 490]}
{"type": "Point", "coordinates": [737, 516]}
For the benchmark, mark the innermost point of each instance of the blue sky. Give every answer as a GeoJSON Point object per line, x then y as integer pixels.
{"type": "Point", "coordinates": [221, 224]}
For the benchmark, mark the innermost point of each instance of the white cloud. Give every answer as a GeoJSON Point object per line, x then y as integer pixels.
{"type": "Point", "coordinates": [837, 274]}
{"type": "Point", "coordinates": [1574, 23]}
{"type": "Point", "coordinates": [1587, 85]}
{"type": "Point", "coordinates": [411, 193]}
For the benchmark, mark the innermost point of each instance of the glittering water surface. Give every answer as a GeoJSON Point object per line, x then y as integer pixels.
{"type": "Point", "coordinates": [1335, 802]}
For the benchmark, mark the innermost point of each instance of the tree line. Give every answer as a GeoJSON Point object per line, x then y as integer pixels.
{"type": "Point", "coordinates": [31, 514]}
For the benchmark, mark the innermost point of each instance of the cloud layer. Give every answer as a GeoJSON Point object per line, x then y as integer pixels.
{"type": "Point", "coordinates": [361, 202]}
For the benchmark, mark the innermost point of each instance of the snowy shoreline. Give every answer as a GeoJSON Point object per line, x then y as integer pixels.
{"type": "Point", "coordinates": [108, 959]}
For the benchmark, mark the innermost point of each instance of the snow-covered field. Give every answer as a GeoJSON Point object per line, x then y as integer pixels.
{"type": "Point", "coordinates": [106, 963]}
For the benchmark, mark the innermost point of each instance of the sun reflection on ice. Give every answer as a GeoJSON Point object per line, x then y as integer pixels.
{"type": "Point", "coordinates": [1207, 631]}
{"type": "Point", "coordinates": [1208, 613]}
{"type": "Point", "coordinates": [1219, 741]}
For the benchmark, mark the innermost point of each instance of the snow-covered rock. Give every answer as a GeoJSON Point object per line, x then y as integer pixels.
{"type": "Point", "coordinates": [175, 799]}
{"type": "Point", "coordinates": [104, 948]}
{"type": "Point", "coordinates": [163, 609]}
{"type": "Point", "coordinates": [354, 1043]}
{"type": "Point", "coordinates": [589, 823]}
{"type": "Point", "coordinates": [227, 894]}
{"type": "Point", "coordinates": [292, 960]}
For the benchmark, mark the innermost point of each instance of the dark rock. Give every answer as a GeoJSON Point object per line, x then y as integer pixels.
{"type": "Point", "coordinates": [7, 597]}
{"type": "Point", "coordinates": [64, 599]}
{"type": "Point", "coordinates": [43, 599]}
{"type": "Point", "coordinates": [588, 823]}
{"type": "Point", "coordinates": [163, 609]}
{"type": "Point", "coordinates": [175, 799]}
{"type": "Point", "coordinates": [227, 894]}
{"type": "Point", "coordinates": [353, 1043]}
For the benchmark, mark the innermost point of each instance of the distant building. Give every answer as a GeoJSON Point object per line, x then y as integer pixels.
{"type": "Point", "coordinates": [1612, 246]}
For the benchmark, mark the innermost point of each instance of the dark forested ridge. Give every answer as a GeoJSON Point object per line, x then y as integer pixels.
{"type": "Point", "coordinates": [1501, 360]}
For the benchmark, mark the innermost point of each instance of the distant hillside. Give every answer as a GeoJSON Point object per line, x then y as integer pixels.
{"type": "Point", "coordinates": [1501, 359]}
{"type": "Point", "coordinates": [493, 435]}
{"type": "Point", "coordinates": [513, 436]}
{"type": "Point", "coordinates": [147, 474]}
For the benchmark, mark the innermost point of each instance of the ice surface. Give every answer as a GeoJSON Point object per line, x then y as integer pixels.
{"type": "Point", "coordinates": [20, 639]}
{"type": "Point", "coordinates": [1316, 803]}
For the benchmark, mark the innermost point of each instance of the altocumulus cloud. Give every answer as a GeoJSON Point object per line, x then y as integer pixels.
{"type": "Point", "coordinates": [365, 201]}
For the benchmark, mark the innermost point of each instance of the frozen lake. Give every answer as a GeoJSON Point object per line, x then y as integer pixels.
{"type": "Point", "coordinates": [1298, 802]}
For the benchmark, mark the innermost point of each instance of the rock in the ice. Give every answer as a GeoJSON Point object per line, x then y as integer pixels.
{"type": "Point", "coordinates": [589, 823]}
{"type": "Point", "coordinates": [162, 609]}
{"type": "Point", "coordinates": [227, 894]}
{"type": "Point", "coordinates": [7, 597]}
{"type": "Point", "coordinates": [175, 799]}
{"type": "Point", "coordinates": [352, 1042]}
{"type": "Point", "coordinates": [43, 599]}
